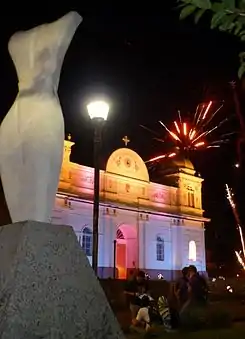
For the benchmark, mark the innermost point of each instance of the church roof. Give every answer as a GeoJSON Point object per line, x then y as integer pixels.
{"type": "Point", "coordinates": [182, 162]}
{"type": "Point", "coordinates": [179, 163]}
{"type": "Point", "coordinates": [126, 162]}
{"type": "Point", "coordinates": [169, 166]}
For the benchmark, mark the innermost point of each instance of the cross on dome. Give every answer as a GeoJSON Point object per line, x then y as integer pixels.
{"type": "Point", "coordinates": [126, 140]}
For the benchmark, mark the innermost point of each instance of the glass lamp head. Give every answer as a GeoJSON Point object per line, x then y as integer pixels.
{"type": "Point", "coordinates": [98, 110]}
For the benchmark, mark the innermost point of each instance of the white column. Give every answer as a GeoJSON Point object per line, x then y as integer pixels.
{"type": "Point", "coordinates": [142, 244]}
{"type": "Point", "coordinates": [204, 251]}
{"type": "Point", "coordinates": [177, 247]}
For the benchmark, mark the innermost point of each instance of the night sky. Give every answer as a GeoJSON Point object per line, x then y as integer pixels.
{"type": "Point", "coordinates": [149, 65]}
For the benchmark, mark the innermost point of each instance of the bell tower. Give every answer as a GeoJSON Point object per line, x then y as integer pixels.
{"type": "Point", "coordinates": [67, 149]}
{"type": "Point", "coordinates": [181, 174]}
{"type": "Point", "coordinates": [66, 164]}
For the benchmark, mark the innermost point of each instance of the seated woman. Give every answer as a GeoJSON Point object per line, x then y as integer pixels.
{"type": "Point", "coordinates": [142, 321]}
{"type": "Point", "coordinates": [147, 317]}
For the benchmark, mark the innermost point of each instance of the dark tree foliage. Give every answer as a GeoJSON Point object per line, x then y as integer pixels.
{"type": "Point", "coordinates": [227, 16]}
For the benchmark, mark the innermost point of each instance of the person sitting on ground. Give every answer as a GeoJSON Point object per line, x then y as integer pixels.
{"type": "Point", "coordinates": [148, 317]}
{"type": "Point", "coordinates": [134, 288]}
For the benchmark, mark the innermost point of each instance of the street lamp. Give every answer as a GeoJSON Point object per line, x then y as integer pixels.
{"type": "Point", "coordinates": [98, 113]}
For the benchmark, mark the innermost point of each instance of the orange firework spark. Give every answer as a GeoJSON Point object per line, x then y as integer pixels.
{"type": "Point", "coordinates": [189, 140]}
{"type": "Point", "coordinates": [162, 157]}
{"type": "Point", "coordinates": [177, 127]}
{"type": "Point", "coordinates": [191, 136]}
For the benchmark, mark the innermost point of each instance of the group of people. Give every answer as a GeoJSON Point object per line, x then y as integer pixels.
{"type": "Point", "coordinates": [189, 290]}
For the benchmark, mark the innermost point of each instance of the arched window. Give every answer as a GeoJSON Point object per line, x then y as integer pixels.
{"type": "Point", "coordinates": [160, 248]}
{"type": "Point", "coordinates": [120, 234]}
{"type": "Point", "coordinates": [87, 241]}
{"type": "Point", "coordinates": [192, 251]}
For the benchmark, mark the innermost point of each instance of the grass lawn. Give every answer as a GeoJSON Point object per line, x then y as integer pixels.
{"type": "Point", "coordinates": [236, 332]}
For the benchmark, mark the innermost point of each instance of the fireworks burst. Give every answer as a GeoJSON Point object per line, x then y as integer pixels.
{"type": "Point", "coordinates": [191, 136]}
{"type": "Point", "coordinates": [241, 254]}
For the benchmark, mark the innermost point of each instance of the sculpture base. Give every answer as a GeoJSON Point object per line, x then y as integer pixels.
{"type": "Point", "coordinates": [47, 287]}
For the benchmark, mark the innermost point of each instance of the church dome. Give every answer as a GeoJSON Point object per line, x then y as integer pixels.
{"type": "Point", "coordinates": [128, 163]}
{"type": "Point", "coordinates": [182, 162]}
{"type": "Point", "coordinates": [177, 164]}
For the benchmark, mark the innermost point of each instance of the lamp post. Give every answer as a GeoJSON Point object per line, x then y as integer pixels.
{"type": "Point", "coordinates": [98, 112]}
{"type": "Point", "coordinates": [114, 258]}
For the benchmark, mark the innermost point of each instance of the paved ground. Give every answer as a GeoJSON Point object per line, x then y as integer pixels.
{"type": "Point", "coordinates": [236, 332]}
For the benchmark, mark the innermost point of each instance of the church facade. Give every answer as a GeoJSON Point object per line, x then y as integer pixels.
{"type": "Point", "coordinates": [154, 227]}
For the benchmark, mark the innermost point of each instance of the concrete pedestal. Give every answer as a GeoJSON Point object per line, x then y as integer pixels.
{"type": "Point", "coordinates": [47, 287]}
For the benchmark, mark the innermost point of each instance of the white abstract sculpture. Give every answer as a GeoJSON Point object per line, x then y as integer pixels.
{"type": "Point", "coordinates": [32, 133]}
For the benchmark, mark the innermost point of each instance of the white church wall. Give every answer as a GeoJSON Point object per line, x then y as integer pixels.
{"type": "Point", "coordinates": [108, 241]}
{"type": "Point", "coordinates": [79, 214]}
{"type": "Point", "coordinates": [182, 235]}
{"type": "Point", "coordinates": [142, 243]}
{"type": "Point", "coordinates": [177, 244]}
{"type": "Point", "coordinates": [105, 240]}
{"type": "Point", "coordinates": [193, 224]}
{"type": "Point", "coordinates": [158, 226]}
{"type": "Point", "coordinates": [141, 251]}
{"type": "Point", "coordinates": [132, 253]}
{"type": "Point", "coordinates": [126, 216]}
{"type": "Point", "coordinates": [196, 236]}
{"type": "Point", "coordinates": [203, 250]}
{"type": "Point", "coordinates": [59, 215]}
{"type": "Point", "coordinates": [127, 221]}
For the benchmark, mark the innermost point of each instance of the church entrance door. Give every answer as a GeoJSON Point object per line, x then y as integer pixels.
{"type": "Point", "coordinates": [121, 260]}
{"type": "Point", "coordinates": [126, 250]}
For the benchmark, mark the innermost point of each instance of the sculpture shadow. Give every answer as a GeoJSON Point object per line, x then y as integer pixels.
{"type": "Point", "coordinates": [5, 218]}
